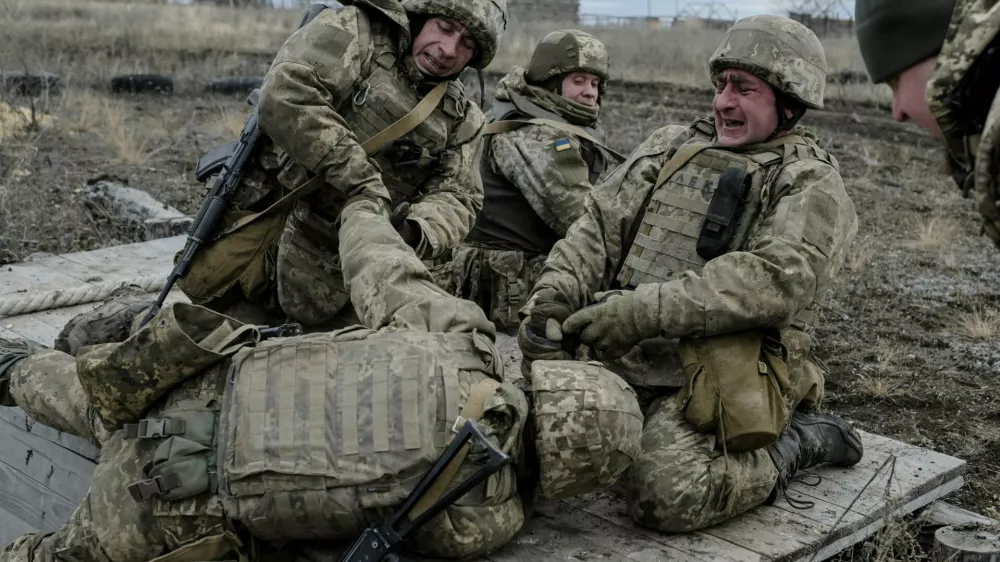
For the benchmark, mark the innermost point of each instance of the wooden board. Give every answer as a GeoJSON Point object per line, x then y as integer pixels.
{"type": "Point", "coordinates": [47, 471]}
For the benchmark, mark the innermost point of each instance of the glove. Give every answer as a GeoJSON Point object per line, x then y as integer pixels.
{"type": "Point", "coordinates": [408, 230]}
{"type": "Point", "coordinates": [536, 347]}
{"type": "Point", "coordinates": [549, 305]}
{"type": "Point", "coordinates": [608, 326]}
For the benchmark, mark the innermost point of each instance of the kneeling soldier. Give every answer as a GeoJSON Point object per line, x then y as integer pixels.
{"type": "Point", "coordinates": [721, 238]}
{"type": "Point", "coordinates": [542, 153]}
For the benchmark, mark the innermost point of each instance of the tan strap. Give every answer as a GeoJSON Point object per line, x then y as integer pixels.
{"type": "Point", "coordinates": [472, 410]}
{"type": "Point", "coordinates": [508, 125]}
{"type": "Point", "coordinates": [393, 132]}
{"type": "Point", "coordinates": [683, 155]}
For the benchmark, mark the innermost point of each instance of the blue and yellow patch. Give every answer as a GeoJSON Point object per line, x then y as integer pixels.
{"type": "Point", "coordinates": [561, 145]}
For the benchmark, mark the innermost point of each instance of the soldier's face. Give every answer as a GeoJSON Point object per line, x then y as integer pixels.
{"type": "Point", "coordinates": [443, 47]}
{"type": "Point", "coordinates": [745, 111]}
{"type": "Point", "coordinates": [581, 87]}
{"type": "Point", "coordinates": [909, 96]}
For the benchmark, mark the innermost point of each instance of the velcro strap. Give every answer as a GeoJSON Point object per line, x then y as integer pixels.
{"type": "Point", "coordinates": [151, 428]}
{"type": "Point", "coordinates": [144, 490]}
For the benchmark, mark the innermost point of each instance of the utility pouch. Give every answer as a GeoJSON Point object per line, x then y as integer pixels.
{"type": "Point", "coordinates": [124, 379]}
{"type": "Point", "coordinates": [736, 386]}
{"type": "Point", "coordinates": [243, 258]}
{"type": "Point", "coordinates": [724, 212]}
{"type": "Point", "coordinates": [184, 463]}
{"type": "Point", "coordinates": [226, 546]}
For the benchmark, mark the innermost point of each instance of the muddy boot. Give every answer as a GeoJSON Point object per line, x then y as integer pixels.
{"type": "Point", "coordinates": [813, 439]}
{"type": "Point", "coordinates": [109, 323]}
{"type": "Point", "coordinates": [11, 353]}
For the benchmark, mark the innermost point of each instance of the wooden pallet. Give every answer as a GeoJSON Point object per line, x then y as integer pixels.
{"type": "Point", "coordinates": [45, 473]}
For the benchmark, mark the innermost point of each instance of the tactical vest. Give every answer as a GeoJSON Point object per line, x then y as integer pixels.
{"type": "Point", "coordinates": [321, 435]}
{"type": "Point", "coordinates": [507, 220]}
{"type": "Point", "coordinates": [666, 239]}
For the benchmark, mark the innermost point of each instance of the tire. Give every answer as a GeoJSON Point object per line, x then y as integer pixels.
{"type": "Point", "coordinates": [30, 83]}
{"type": "Point", "coordinates": [142, 84]}
{"type": "Point", "coordinates": [847, 77]}
{"type": "Point", "coordinates": [239, 85]}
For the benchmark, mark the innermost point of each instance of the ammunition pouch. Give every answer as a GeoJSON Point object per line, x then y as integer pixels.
{"type": "Point", "coordinates": [737, 386]}
{"type": "Point", "coordinates": [724, 213]}
{"type": "Point", "coordinates": [122, 380]}
{"type": "Point", "coordinates": [184, 463]}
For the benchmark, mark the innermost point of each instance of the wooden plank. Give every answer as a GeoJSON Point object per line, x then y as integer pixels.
{"type": "Point", "coordinates": [700, 546]}
{"type": "Point", "coordinates": [77, 445]}
{"type": "Point", "coordinates": [833, 548]}
{"type": "Point", "coordinates": [32, 502]}
{"type": "Point", "coordinates": [25, 278]}
{"type": "Point", "coordinates": [11, 527]}
{"type": "Point", "coordinates": [58, 469]}
{"type": "Point", "coordinates": [942, 514]}
{"type": "Point", "coordinates": [30, 327]}
{"type": "Point", "coordinates": [132, 260]}
{"type": "Point", "coordinates": [81, 273]}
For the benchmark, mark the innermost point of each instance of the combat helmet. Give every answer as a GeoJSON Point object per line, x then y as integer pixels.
{"type": "Point", "coordinates": [782, 52]}
{"type": "Point", "coordinates": [569, 50]}
{"type": "Point", "coordinates": [588, 426]}
{"type": "Point", "coordinates": [486, 20]}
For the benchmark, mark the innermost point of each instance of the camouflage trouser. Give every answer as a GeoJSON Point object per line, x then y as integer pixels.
{"type": "Point", "coordinates": [681, 482]}
{"type": "Point", "coordinates": [499, 281]}
{"type": "Point", "coordinates": [108, 525]}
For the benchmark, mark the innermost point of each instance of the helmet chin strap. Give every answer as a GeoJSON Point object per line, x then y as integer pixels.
{"type": "Point", "coordinates": [785, 123]}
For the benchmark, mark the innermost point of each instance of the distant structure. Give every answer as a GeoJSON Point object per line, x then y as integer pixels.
{"type": "Point", "coordinates": [824, 17]}
{"type": "Point", "coordinates": [705, 15]}
{"type": "Point", "coordinates": [562, 11]}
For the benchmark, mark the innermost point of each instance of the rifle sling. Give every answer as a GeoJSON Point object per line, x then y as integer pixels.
{"type": "Point", "coordinates": [472, 410]}
{"type": "Point", "coordinates": [508, 125]}
{"type": "Point", "coordinates": [393, 132]}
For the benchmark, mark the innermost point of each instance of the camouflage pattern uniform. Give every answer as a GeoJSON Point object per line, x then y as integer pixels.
{"type": "Point", "coordinates": [393, 292]}
{"type": "Point", "coordinates": [335, 83]}
{"type": "Point", "coordinates": [965, 100]}
{"type": "Point", "coordinates": [790, 243]}
{"type": "Point", "coordinates": [535, 177]}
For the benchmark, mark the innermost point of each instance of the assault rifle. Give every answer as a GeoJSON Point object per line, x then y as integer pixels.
{"type": "Point", "coordinates": [206, 222]}
{"type": "Point", "coordinates": [380, 541]}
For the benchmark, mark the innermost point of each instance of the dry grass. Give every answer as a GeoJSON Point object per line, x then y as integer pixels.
{"type": "Point", "coordinates": [132, 143]}
{"type": "Point", "coordinates": [859, 256]}
{"type": "Point", "coordinates": [878, 387]}
{"type": "Point", "coordinates": [230, 122]}
{"type": "Point", "coordinates": [934, 233]}
{"type": "Point", "coordinates": [897, 541]}
{"type": "Point", "coordinates": [982, 323]}
{"type": "Point", "coordinates": [83, 110]}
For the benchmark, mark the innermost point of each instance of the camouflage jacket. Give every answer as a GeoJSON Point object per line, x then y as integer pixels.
{"type": "Point", "coordinates": [341, 79]}
{"type": "Point", "coordinates": [963, 97]}
{"type": "Point", "coordinates": [795, 248]}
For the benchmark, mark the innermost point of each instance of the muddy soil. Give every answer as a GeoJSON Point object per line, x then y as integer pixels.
{"type": "Point", "coordinates": [909, 332]}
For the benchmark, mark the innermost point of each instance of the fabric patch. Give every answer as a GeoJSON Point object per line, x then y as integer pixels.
{"type": "Point", "coordinates": [561, 145]}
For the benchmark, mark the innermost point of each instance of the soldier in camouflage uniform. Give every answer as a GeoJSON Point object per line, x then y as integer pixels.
{"type": "Point", "coordinates": [940, 58]}
{"type": "Point", "coordinates": [542, 154]}
{"type": "Point", "coordinates": [337, 83]}
{"type": "Point", "coordinates": [664, 230]}
{"type": "Point", "coordinates": [313, 437]}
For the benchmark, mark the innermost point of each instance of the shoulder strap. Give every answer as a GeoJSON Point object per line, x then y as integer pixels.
{"type": "Point", "coordinates": [404, 125]}
{"type": "Point", "coordinates": [508, 125]}
{"type": "Point", "coordinates": [473, 409]}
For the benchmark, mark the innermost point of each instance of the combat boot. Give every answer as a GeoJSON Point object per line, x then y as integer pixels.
{"type": "Point", "coordinates": [109, 323]}
{"type": "Point", "coordinates": [813, 439]}
{"type": "Point", "coordinates": [11, 353]}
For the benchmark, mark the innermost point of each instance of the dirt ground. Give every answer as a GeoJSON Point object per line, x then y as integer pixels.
{"type": "Point", "coordinates": [910, 329]}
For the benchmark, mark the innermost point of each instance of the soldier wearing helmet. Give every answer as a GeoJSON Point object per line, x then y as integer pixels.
{"type": "Point", "coordinates": [542, 154]}
{"type": "Point", "coordinates": [696, 272]}
{"type": "Point", "coordinates": [339, 110]}
{"type": "Point", "coordinates": [940, 58]}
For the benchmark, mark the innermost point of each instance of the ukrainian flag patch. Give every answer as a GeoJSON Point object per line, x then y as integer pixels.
{"type": "Point", "coordinates": [561, 145]}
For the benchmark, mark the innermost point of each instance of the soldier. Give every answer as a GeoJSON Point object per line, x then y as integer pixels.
{"type": "Point", "coordinates": [940, 58]}
{"type": "Point", "coordinates": [330, 430]}
{"type": "Point", "coordinates": [341, 114]}
{"type": "Point", "coordinates": [543, 153]}
{"type": "Point", "coordinates": [721, 238]}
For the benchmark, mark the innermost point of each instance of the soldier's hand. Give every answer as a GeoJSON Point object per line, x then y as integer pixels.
{"type": "Point", "coordinates": [549, 305]}
{"type": "Point", "coordinates": [535, 346]}
{"type": "Point", "coordinates": [609, 326]}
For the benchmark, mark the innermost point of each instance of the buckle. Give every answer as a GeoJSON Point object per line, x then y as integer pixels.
{"type": "Point", "coordinates": [143, 490]}
{"type": "Point", "coordinates": [513, 293]}
{"type": "Point", "coordinates": [152, 428]}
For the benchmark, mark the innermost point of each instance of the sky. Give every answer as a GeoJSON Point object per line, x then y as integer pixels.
{"type": "Point", "coordinates": [668, 7]}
